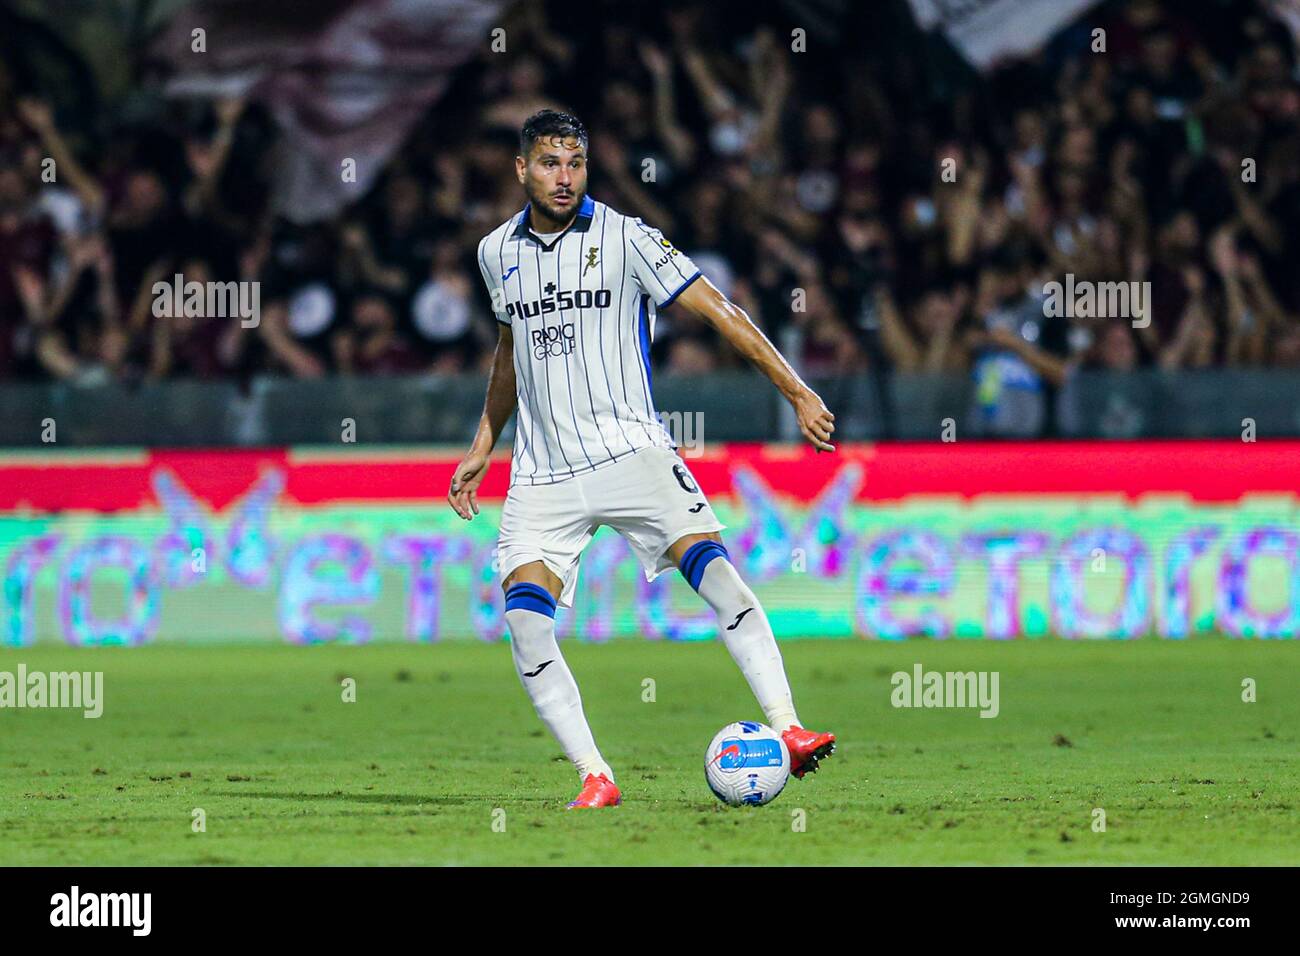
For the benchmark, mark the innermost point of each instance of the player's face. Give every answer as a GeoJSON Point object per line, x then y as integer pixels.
{"type": "Point", "coordinates": [554, 175]}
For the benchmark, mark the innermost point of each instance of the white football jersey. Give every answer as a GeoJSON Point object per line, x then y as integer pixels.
{"type": "Point", "coordinates": [582, 308]}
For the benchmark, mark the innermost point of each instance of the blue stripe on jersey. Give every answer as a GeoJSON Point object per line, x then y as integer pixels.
{"type": "Point", "coordinates": [643, 330]}
{"type": "Point", "coordinates": [680, 289]}
{"type": "Point", "coordinates": [622, 366]}
{"type": "Point", "coordinates": [643, 327]}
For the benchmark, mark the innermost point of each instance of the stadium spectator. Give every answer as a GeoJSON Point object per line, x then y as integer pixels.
{"type": "Point", "coordinates": [816, 199]}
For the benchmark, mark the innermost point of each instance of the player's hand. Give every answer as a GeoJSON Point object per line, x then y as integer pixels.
{"type": "Point", "coordinates": [815, 420]}
{"type": "Point", "coordinates": [464, 484]}
{"type": "Point", "coordinates": [36, 113]}
{"type": "Point", "coordinates": [655, 59]}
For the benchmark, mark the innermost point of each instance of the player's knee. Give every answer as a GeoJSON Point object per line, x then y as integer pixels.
{"type": "Point", "coordinates": [529, 607]}
{"type": "Point", "coordinates": [697, 559]}
{"type": "Point", "coordinates": [534, 572]}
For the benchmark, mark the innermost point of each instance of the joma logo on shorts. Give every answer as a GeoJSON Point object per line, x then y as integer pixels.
{"type": "Point", "coordinates": [552, 340]}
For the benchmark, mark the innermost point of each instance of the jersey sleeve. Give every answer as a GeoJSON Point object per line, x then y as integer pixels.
{"type": "Point", "coordinates": [662, 271]}
{"type": "Point", "coordinates": [492, 281]}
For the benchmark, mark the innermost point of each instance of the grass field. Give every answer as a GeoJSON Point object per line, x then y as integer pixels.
{"type": "Point", "coordinates": [1153, 732]}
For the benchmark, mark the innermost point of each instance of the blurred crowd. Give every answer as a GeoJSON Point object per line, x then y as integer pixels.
{"type": "Point", "coordinates": [809, 187]}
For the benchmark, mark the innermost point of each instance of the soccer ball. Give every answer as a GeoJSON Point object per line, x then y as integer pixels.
{"type": "Point", "coordinates": [747, 763]}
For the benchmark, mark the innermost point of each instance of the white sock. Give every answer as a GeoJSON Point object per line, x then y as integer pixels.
{"type": "Point", "coordinates": [745, 630]}
{"type": "Point", "coordinates": [593, 763]}
{"type": "Point", "coordinates": [530, 615]}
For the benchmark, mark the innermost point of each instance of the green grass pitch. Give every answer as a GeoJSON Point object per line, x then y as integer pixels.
{"type": "Point", "coordinates": [1155, 733]}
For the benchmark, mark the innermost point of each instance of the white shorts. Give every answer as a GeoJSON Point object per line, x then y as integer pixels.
{"type": "Point", "coordinates": [649, 497]}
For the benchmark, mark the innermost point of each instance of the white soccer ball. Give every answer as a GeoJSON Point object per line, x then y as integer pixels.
{"type": "Point", "coordinates": [747, 763]}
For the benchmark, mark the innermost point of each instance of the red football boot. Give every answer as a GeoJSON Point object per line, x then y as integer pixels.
{"type": "Point", "coordinates": [807, 749]}
{"type": "Point", "coordinates": [597, 791]}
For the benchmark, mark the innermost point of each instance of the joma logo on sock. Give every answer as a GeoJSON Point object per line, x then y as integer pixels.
{"type": "Point", "coordinates": [133, 910]}
{"type": "Point", "coordinates": [923, 688]}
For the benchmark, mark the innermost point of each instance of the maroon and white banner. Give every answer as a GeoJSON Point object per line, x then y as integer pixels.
{"type": "Point", "coordinates": [344, 79]}
{"type": "Point", "coordinates": [986, 31]}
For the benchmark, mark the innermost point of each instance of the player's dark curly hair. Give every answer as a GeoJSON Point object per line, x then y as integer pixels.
{"type": "Point", "coordinates": [550, 123]}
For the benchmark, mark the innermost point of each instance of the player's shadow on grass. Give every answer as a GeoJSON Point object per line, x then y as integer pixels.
{"type": "Point", "coordinates": [407, 799]}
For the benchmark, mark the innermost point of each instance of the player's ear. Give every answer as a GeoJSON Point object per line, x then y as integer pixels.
{"type": "Point", "coordinates": [520, 165]}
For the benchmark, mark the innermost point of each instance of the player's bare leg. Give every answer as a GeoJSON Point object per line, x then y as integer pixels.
{"type": "Point", "coordinates": [745, 630]}
{"type": "Point", "coordinates": [532, 591]}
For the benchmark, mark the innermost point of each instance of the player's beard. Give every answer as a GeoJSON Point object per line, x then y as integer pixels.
{"type": "Point", "coordinates": [562, 215]}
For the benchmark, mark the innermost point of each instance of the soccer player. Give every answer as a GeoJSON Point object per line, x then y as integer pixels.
{"type": "Point", "coordinates": [574, 287]}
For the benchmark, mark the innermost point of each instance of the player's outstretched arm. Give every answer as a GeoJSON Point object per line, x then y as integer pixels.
{"type": "Point", "coordinates": [497, 409]}
{"type": "Point", "coordinates": [703, 300]}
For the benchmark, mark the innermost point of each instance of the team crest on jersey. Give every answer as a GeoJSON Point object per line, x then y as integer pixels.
{"type": "Point", "coordinates": [552, 341]}
{"type": "Point", "coordinates": [593, 256]}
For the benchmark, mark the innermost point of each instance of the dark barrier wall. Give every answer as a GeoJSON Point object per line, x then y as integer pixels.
{"type": "Point", "coordinates": [730, 406]}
